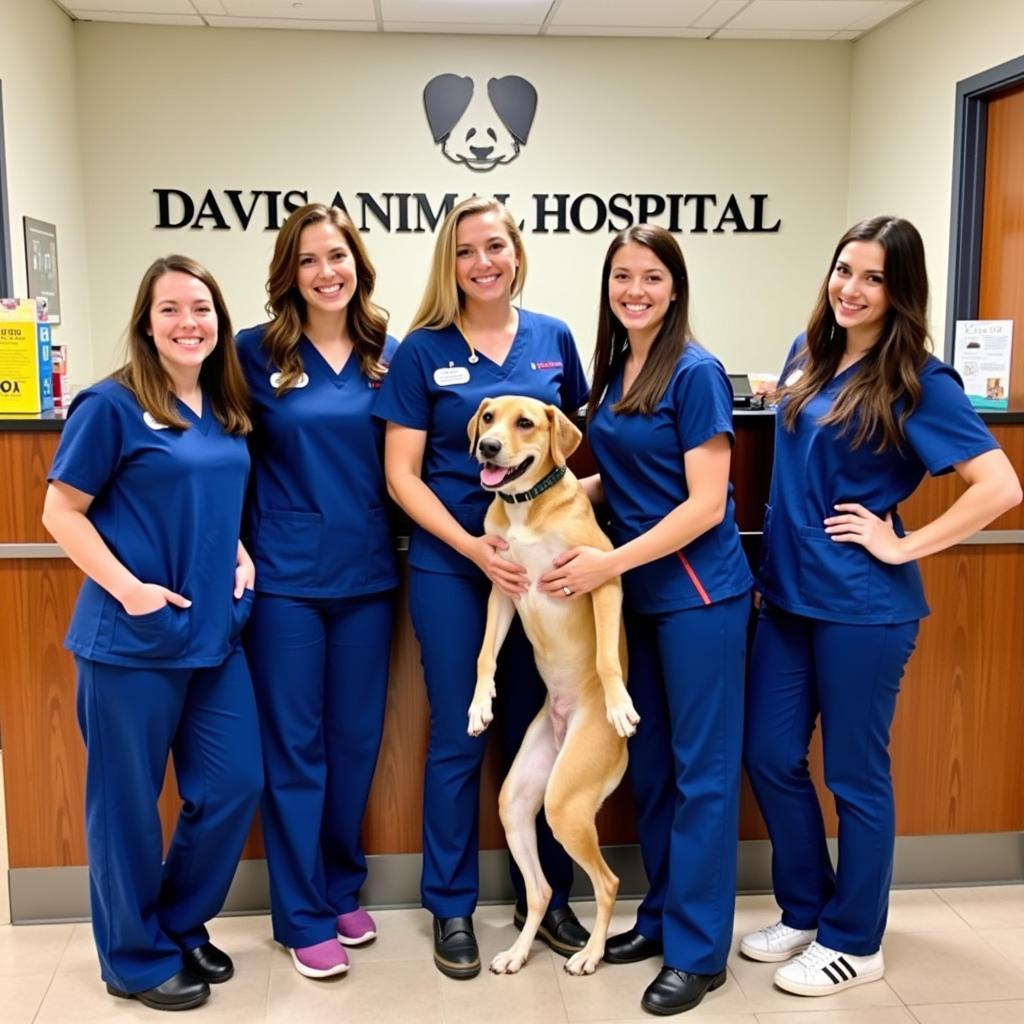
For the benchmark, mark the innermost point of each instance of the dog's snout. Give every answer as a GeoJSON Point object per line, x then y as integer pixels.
{"type": "Point", "coordinates": [489, 448]}
{"type": "Point", "coordinates": [481, 152]}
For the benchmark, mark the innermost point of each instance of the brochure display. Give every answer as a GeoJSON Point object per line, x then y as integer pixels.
{"type": "Point", "coordinates": [981, 355]}
{"type": "Point", "coordinates": [26, 384]}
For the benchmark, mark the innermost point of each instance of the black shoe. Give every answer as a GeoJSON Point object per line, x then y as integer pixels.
{"type": "Point", "coordinates": [455, 949]}
{"type": "Point", "coordinates": [181, 991]}
{"type": "Point", "coordinates": [675, 991]}
{"type": "Point", "coordinates": [559, 930]}
{"type": "Point", "coordinates": [630, 948]}
{"type": "Point", "coordinates": [208, 962]}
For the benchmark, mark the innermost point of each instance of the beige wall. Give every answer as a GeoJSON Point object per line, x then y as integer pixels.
{"type": "Point", "coordinates": [37, 67]}
{"type": "Point", "coordinates": [902, 105]}
{"type": "Point", "coordinates": [168, 107]}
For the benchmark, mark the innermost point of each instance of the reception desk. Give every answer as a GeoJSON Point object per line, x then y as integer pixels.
{"type": "Point", "coordinates": [958, 760]}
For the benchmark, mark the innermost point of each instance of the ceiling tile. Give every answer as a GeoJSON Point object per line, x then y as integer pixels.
{"type": "Point", "coordinates": [209, 6]}
{"type": "Point", "coordinates": [719, 13]}
{"type": "Point", "coordinates": [652, 31]}
{"type": "Point", "coordinates": [883, 11]}
{"type": "Point", "coordinates": [806, 15]}
{"type": "Point", "coordinates": [142, 19]}
{"type": "Point", "coordinates": [309, 24]}
{"type": "Point", "coordinates": [466, 12]}
{"type": "Point", "coordinates": [320, 10]}
{"type": "Point", "coordinates": [131, 6]}
{"type": "Point", "coordinates": [630, 13]}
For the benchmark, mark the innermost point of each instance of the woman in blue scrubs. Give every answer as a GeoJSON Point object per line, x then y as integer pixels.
{"type": "Point", "coordinates": [145, 497]}
{"type": "Point", "coordinates": [660, 427]}
{"type": "Point", "coordinates": [469, 342]}
{"type": "Point", "coordinates": [864, 412]}
{"type": "Point", "coordinates": [320, 635]}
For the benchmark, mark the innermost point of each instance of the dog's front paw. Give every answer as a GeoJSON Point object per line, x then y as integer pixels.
{"type": "Point", "coordinates": [583, 962]}
{"type": "Point", "coordinates": [481, 714]}
{"type": "Point", "coordinates": [623, 716]}
{"type": "Point", "coordinates": [509, 962]}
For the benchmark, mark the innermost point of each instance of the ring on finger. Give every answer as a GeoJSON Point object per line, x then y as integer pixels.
{"type": "Point", "coordinates": [567, 590]}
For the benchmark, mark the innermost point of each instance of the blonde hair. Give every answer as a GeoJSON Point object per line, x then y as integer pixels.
{"type": "Point", "coordinates": [367, 322]}
{"type": "Point", "coordinates": [441, 305]}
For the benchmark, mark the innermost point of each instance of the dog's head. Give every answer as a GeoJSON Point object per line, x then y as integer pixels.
{"type": "Point", "coordinates": [480, 132]}
{"type": "Point", "coordinates": [518, 441]}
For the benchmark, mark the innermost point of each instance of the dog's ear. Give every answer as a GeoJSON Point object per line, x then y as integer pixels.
{"type": "Point", "coordinates": [565, 437]}
{"type": "Point", "coordinates": [445, 99]}
{"type": "Point", "coordinates": [473, 427]}
{"type": "Point", "coordinates": [515, 101]}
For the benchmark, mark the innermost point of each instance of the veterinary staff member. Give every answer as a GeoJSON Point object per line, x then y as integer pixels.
{"type": "Point", "coordinates": [864, 413]}
{"type": "Point", "coordinates": [145, 497]}
{"type": "Point", "coordinates": [660, 428]}
{"type": "Point", "coordinates": [320, 634]}
{"type": "Point", "coordinates": [469, 342]}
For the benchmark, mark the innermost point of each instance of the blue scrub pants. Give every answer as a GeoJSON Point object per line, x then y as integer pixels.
{"type": "Point", "coordinates": [144, 912]}
{"type": "Point", "coordinates": [320, 671]}
{"type": "Point", "coordinates": [686, 674]}
{"type": "Point", "coordinates": [448, 614]}
{"type": "Point", "coordinates": [851, 675]}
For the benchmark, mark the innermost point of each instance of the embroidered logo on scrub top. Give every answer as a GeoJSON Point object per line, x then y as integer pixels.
{"type": "Point", "coordinates": [152, 422]}
{"type": "Point", "coordinates": [550, 364]}
{"type": "Point", "coordinates": [794, 377]}
{"type": "Point", "coordinates": [275, 379]}
{"type": "Point", "coordinates": [451, 374]}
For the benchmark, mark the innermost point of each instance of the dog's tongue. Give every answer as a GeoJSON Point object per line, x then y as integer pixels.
{"type": "Point", "coordinates": [491, 476]}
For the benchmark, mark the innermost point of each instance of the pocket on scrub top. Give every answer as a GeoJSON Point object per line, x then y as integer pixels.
{"type": "Point", "coordinates": [241, 609]}
{"type": "Point", "coordinates": [288, 544]}
{"type": "Point", "coordinates": [833, 575]}
{"type": "Point", "coordinates": [160, 634]}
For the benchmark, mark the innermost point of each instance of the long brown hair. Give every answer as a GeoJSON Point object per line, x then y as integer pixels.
{"type": "Point", "coordinates": [221, 375]}
{"type": "Point", "coordinates": [442, 300]}
{"type": "Point", "coordinates": [612, 343]}
{"type": "Point", "coordinates": [367, 322]}
{"type": "Point", "coordinates": [890, 369]}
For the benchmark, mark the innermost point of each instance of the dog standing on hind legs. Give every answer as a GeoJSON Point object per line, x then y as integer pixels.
{"type": "Point", "coordinates": [574, 752]}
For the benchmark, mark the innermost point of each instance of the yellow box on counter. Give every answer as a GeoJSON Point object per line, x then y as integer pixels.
{"type": "Point", "coordinates": [26, 384]}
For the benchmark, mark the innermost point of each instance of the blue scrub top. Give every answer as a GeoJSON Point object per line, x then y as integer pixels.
{"type": "Point", "coordinates": [168, 504]}
{"type": "Point", "coordinates": [644, 479]}
{"type": "Point", "coordinates": [432, 386]}
{"type": "Point", "coordinates": [317, 521]}
{"type": "Point", "coordinates": [803, 570]}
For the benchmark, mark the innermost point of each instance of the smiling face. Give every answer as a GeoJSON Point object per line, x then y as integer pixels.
{"type": "Point", "coordinates": [182, 323]}
{"type": "Point", "coordinates": [857, 291]}
{"type": "Point", "coordinates": [326, 272]}
{"type": "Point", "coordinates": [640, 289]}
{"type": "Point", "coordinates": [485, 258]}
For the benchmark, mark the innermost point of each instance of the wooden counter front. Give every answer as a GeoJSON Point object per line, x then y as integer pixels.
{"type": "Point", "coordinates": [957, 760]}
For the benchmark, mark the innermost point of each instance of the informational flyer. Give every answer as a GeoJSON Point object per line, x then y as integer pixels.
{"type": "Point", "coordinates": [981, 355]}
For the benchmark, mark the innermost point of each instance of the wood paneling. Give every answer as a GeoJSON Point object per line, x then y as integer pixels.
{"type": "Point", "coordinates": [957, 758]}
{"type": "Point", "coordinates": [1001, 283]}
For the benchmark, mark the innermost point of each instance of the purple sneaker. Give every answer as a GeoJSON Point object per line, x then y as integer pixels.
{"type": "Point", "coordinates": [320, 961]}
{"type": "Point", "coordinates": [356, 927]}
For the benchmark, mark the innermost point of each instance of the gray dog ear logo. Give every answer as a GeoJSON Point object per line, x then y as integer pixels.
{"type": "Point", "coordinates": [477, 130]}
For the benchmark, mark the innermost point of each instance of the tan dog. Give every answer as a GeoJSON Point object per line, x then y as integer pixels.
{"type": "Point", "coordinates": [574, 753]}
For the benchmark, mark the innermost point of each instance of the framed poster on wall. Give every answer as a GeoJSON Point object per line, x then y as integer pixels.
{"type": "Point", "coordinates": [41, 268]}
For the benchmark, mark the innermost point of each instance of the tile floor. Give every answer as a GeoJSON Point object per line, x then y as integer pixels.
{"type": "Point", "coordinates": [955, 956]}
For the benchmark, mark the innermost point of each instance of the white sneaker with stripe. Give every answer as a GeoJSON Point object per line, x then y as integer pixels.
{"type": "Point", "coordinates": [820, 971]}
{"type": "Point", "coordinates": [776, 942]}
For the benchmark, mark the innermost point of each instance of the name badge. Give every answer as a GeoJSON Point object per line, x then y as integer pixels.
{"type": "Point", "coordinates": [445, 376]}
{"type": "Point", "coordinates": [152, 422]}
{"type": "Point", "coordinates": [794, 377]}
{"type": "Point", "coordinates": [275, 380]}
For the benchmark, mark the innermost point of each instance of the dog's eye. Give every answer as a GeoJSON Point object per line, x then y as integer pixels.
{"type": "Point", "coordinates": [523, 423]}
{"type": "Point", "coordinates": [488, 417]}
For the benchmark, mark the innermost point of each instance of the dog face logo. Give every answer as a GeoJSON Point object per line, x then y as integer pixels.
{"type": "Point", "coordinates": [476, 130]}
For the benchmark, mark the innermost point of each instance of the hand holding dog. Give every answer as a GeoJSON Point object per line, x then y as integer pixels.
{"type": "Point", "coordinates": [509, 577]}
{"type": "Point", "coordinates": [580, 569]}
